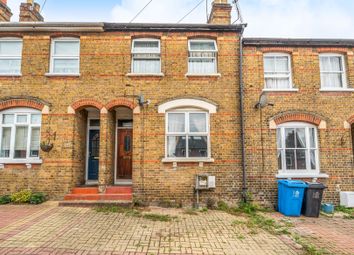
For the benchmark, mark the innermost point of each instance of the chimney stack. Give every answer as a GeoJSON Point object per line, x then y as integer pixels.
{"type": "Point", "coordinates": [30, 12]}
{"type": "Point", "coordinates": [5, 12]}
{"type": "Point", "coordinates": [220, 13]}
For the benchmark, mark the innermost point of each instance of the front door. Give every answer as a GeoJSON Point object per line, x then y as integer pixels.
{"type": "Point", "coordinates": [124, 157]}
{"type": "Point", "coordinates": [93, 155]}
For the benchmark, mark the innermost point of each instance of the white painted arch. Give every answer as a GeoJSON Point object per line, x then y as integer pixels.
{"type": "Point", "coordinates": [187, 102]}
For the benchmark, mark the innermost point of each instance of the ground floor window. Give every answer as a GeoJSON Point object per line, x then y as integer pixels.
{"type": "Point", "coordinates": [187, 134]}
{"type": "Point", "coordinates": [20, 133]}
{"type": "Point", "coordinates": [297, 148]}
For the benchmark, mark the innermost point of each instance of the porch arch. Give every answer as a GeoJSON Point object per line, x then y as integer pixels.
{"type": "Point", "coordinates": [121, 102]}
{"type": "Point", "coordinates": [82, 103]}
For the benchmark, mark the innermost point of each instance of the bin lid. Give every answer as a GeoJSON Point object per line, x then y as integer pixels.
{"type": "Point", "coordinates": [316, 185]}
{"type": "Point", "coordinates": [293, 183]}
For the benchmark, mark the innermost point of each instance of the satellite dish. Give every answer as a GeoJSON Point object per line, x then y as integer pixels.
{"type": "Point", "coordinates": [263, 101]}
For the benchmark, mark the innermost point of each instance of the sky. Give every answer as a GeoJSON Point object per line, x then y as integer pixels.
{"type": "Point", "coordinates": [265, 18]}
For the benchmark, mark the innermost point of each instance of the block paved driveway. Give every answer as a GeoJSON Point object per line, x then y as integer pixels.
{"type": "Point", "coordinates": [49, 229]}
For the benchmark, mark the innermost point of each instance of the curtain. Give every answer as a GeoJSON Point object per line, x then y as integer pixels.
{"type": "Point", "coordinates": [202, 66]}
{"type": "Point", "coordinates": [10, 48]}
{"type": "Point", "coordinates": [146, 47]}
{"type": "Point", "coordinates": [197, 122]}
{"type": "Point", "coordinates": [10, 66]}
{"type": "Point", "coordinates": [21, 142]}
{"type": "Point", "coordinates": [35, 138]}
{"type": "Point", "coordinates": [300, 138]}
{"type": "Point", "coordinates": [146, 66]}
{"type": "Point", "coordinates": [176, 122]}
{"type": "Point", "coordinates": [176, 146]}
{"type": "Point", "coordinates": [5, 144]}
{"type": "Point", "coordinates": [66, 66]}
{"type": "Point", "coordinates": [66, 48]}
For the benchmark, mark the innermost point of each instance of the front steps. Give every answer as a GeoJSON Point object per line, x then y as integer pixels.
{"type": "Point", "coordinates": [90, 196]}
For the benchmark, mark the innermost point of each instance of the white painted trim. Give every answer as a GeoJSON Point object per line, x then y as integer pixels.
{"type": "Point", "coordinates": [347, 125]}
{"type": "Point", "coordinates": [279, 54]}
{"type": "Point", "coordinates": [281, 90]}
{"type": "Point", "coordinates": [344, 72]}
{"type": "Point", "coordinates": [145, 74]}
{"type": "Point", "coordinates": [62, 74]}
{"type": "Point", "coordinates": [213, 51]}
{"type": "Point", "coordinates": [158, 52]}
{"type": "Point", "coordinates": [10, 74]}
{"type": "Point", "coordinates": [183, 103]}
{"type": "Point", "coordinates": [171, 160]}
{"type": "Point", "coordinates": [20, 161]}
{"type": "Point", "coordinates": [294, 175]}
{"type": "Point", "coordinates": [12, 57]}
{"type": "Point", "coordinates": [337, 90]}
{"type": "Point", "coordinates": [203, 74]}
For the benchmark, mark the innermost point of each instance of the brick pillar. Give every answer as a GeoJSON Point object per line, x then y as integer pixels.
{"type": "Point", "coordinates": [5, 12]}
{"type": "Point", "coordinates": [30, 12]}
{"type": "Point", "coordinates": [220, 13]}
{"type": "Point", "coordinates": [107, 142]}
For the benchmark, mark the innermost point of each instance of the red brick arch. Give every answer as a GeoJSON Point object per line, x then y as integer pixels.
{"type": "Point", "coordinates": [297, 116]}
{"type": "Point", "coordinates": [28, 103]}
{"type": "Point", "coordinates": [120, 102]}
{"type": "Point", "coordinates": [82, 103]}
{"type": "Point", "coordinates": [351, 120]}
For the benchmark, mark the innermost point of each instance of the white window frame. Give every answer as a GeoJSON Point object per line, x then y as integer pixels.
{"type": "Point", "coordinates": [20, 111]}
{"type": "Point", "coordinates": [69, 57]}
{"type": "Point", "coordinates": [303, 172]}
{"type": "Point", "coordinates": [212, 51]}
{"type": "Point", "coordinates": [343, 72]}
{"type": "Point", "coordinates": [133, 52]}
{"type": "Point", "coordinates": [187, 133]}
{"type": "Point", "coordinates": [285, 75]}
{"type": "Point", "coordinates": [12, 57]}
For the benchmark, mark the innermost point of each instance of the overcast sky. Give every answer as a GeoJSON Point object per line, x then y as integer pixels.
{"type": "Point", "coordinates": [265, 18]}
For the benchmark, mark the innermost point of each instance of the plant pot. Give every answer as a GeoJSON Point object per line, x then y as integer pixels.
{"type": "Point", "coordinates": [47, 147]}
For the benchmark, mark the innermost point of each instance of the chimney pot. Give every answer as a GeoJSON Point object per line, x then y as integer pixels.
{"type": "Point", "coordinates": [220, 13]}
{"type": "Point", "coordinates": [30, 12]}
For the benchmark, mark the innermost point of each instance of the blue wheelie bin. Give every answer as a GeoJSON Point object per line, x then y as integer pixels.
{"type": "Point", "coordinates": [290, 197]}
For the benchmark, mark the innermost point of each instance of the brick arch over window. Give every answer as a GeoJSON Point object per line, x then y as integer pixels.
{"type": "Point", "coordinates": [82, 103]}
{"type": "Point", "coordinates": [201, 103]}
{"type": "Point", "coordinates": [351, 120]}
{"type": "Point", "coordinates": [297, 116]}
{"type": "Point", "coordinates": [121, 102]}
{"type": "Point", "coordinates": [28, 102]}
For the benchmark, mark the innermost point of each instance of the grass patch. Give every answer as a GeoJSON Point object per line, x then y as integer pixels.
{"type": "Point", "coordinates": [348, 211]}
{"type": "Point", "coordinates": [158, 217]}
{"type": "Point", "coordinates": [309, 248]}
{"type": "Point", "coordinates": [190, 211]}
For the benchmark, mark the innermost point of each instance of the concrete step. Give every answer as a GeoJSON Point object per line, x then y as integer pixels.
{"type": "Point", "coordinates": [99, 197]}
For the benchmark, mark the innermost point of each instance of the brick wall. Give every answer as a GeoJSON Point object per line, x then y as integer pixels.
{"type": "Point", "coordinates": [335, 143]}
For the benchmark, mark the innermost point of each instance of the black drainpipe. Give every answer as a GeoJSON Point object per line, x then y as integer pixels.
{"type": "Point", "coordinates": [244, 177]}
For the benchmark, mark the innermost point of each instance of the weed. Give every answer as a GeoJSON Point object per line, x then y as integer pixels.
{"type": "Point", "coordinates": [223, 206]}
{"type": "Point", "coordinates": [157, 217]}
{"type": "Point", "coordinates": [241, 237]}
{"type": "Point", "coordinates": [111, 209]}
{"type": "Point", "coordinates": [204, 209]}
{"type": "Point", "coordinates": [5, 200]}
{"type": "Point", "coordinates": [309, 248]}
{"type": "Point", "coordinates": [344, 209]}
{"type": "Point", "coordinates": [190, 211]}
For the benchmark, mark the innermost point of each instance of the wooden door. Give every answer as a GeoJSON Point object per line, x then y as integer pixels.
{"type": "Point", "coordinates": [124, 157]}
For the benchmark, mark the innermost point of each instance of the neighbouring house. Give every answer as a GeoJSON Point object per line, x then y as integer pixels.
{"type": "Point", "coordinates": [112, 111]}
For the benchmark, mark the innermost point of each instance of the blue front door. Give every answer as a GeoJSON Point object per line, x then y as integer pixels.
{"type": "Point", "coordinates": [93, 157]}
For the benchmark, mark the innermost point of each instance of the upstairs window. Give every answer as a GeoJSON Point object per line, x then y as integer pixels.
{"type": "Point", "coordinates": [332, 71]}
{"type": "Point", "coordinates": [20, 134]}
{"type": "Point", "coordinates": [146, 56]}
{"type": "Point", "coordinates": [277, 71]}
{"type": "Point", "coordinates": [10, 56]}
{"type": "Point", "coordinates": [297, 148]}
{"type": "Point", "coordinates": [65, 56]}
{"type": "Point", "coordinates": [202, 57]}
{"type": "Point", "coordinates": [187, 134]}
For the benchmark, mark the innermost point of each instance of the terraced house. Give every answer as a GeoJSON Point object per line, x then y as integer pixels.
{"type": "Point", "coordinates": [112, 111]}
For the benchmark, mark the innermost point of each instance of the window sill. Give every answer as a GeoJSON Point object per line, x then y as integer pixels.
{"type": "Point", "coordinates": [11, 75]}
{"type": "Point", "coordinates": [186, 160]}
{"type": "Point", "coordinates": [337, 90]}
{"type": "Point", "coordinates": [62, 75]}
{"type": "Point", "coordinates": [145, 74]}
{"type": "Point", "coordinates": [281, 90]}
{"type": "Point", "coordinates": [203, 75]}
{"type": "Point", "coordinates": [301, 175]}
{"type": "Point", "coordinates": [20, 161]}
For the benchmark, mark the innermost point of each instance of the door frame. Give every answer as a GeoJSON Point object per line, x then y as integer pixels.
{"type": "Point", "coordinates": [120, 181]}
{"type": "Point", "coordinates": [88, 129]}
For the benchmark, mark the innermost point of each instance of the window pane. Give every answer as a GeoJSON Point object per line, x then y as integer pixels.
{"type": "Point", "coordinates": [198, 146]}
{"type": "Point", "coordinates": [146, 66]}
{"type": "Point", "coordinates": [10, 66]}
{"type": "Point", "coordinates": [282, 64]}
{"type": "Point", "coordinates": [270, 83]}
{"type": "Point", "coordinates": [21, 142]}
{"type": "Point", "coordinates": [94, 123]}
{"type": "Point", "coordinates": [312, 138]}
{"type": "Point", "coordinates": [290, 159]}
{"type": "Point", "coordinates": [202, 46]}
{"type": "Point", "coordinates": [313, 159]}
{"type": "Point", "coordinates": [10, 48]}
{"type": "Point", "coordinates": [282, 83]}
{"type": "Point", "coordinates": [35, 138]}
{"type": "Point", "coordinates": [336, 63]}
{"type": "Point", "coordinates": [197, 122]}
{"type": "Point", "coordinates": [279, 138]}
{"type": "Point", "coordinates": [8, 119]}
{"type": "Point", "coordinates": [35, 119]}
{"type": "Point", "coordinates": [5, 142]}
{"type": "Point", "coordinates": [176, 122]}
{"type": "Point", "coordinates": [290, 138]}
{"type": "Point", "coordinates": [280, 162]}
{"type": "Point", "coordinates": [301, 159]}
{"type": "Point", "coordinates": [176, 146]}
{"type": "Point", "coordinates": [65, 48]}
{"type": "Point", "coordinates": [21, 119]}
{"type": "Point", "coordinates": [146, 47]}
{"type": "Point", "coordinates": [325, 64]}
{"type": "Point", "coordinates": [300, 138]}
{"type": "Point", "coordinates": [269, 64]}
{"type": "Point", "coordinates": [202, 65]}
{"type": "Point", "coordinates": [66, 66]}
